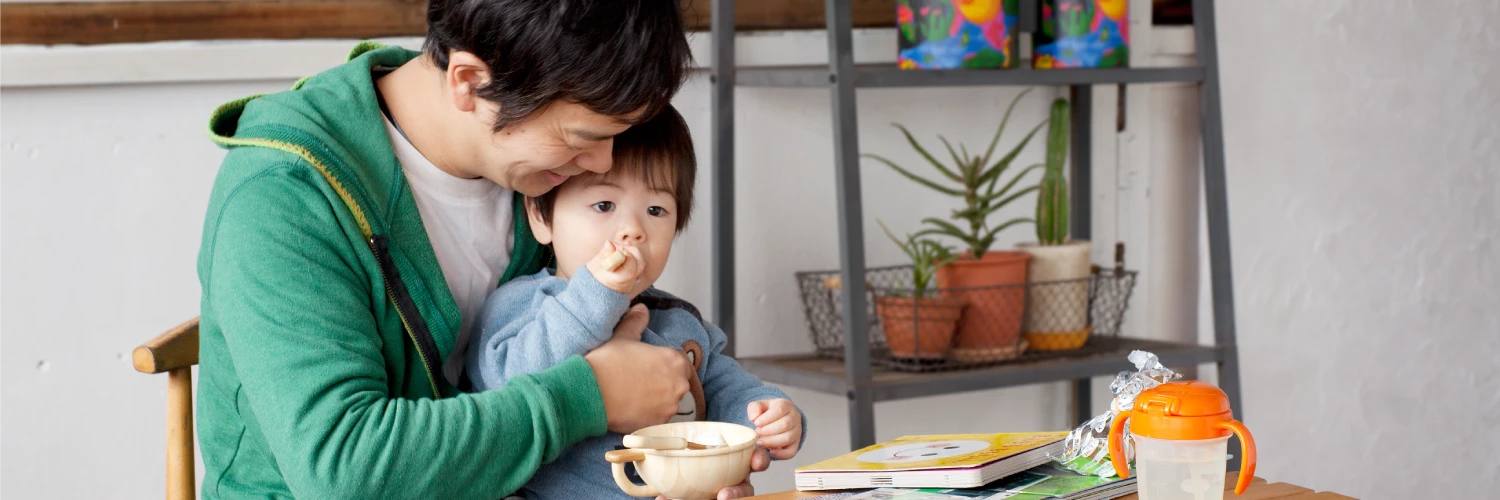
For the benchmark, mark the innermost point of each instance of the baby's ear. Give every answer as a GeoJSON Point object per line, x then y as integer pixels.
{"type": "Point", "coordinates": [539, 228]}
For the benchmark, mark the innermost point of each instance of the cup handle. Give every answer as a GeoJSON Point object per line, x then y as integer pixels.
{"type": "Point", "coordinates": [1117, 444]}
{"type": "Point", "coordinates": [617, 460]}
{"type": "Point", "coordinates": [1247, 453]}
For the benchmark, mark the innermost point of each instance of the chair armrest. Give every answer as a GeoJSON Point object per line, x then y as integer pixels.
{"type": "Point", "coordinates": [173, 349]}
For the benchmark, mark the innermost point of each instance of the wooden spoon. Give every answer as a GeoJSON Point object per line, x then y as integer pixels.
{"type": "Point", "coordinates": [661, 443]}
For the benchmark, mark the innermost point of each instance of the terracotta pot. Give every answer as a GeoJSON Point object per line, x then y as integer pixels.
{"type": "Point", "coordinates": [1058, 299]}
{"type": "Point", "coordinates": [990, 329]}
{"type": "Point", "coordinates": [919, 328]}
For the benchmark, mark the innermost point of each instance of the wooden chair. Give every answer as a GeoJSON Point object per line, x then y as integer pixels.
{"type": "Point", "coordinates": [175, 352]}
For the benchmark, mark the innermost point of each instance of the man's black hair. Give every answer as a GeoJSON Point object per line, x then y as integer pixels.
{"type": "Point", "coordinates": [613, 56]}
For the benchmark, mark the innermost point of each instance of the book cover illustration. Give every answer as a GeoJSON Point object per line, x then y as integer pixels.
{"type": "Point", "coordinates": [1047, 481]}
{"type": "Point", "coordinates": [946, 451]}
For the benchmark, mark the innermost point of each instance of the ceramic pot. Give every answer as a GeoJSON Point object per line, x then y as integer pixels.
{"type": "Point", "coordinates": [1082, 34]}
{"type": "Point", "coordinates": [919, 328]}
{"type": "Point", "coordinates": [956, 34]}
{"type": "Point", "coordinates": [1057, 299]}
{"type": "Point", "coordinates": [995, 287]}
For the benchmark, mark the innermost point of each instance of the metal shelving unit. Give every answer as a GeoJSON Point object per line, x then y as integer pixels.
{"type": "Point", "coordinates": [853, 377]}
{"type": "Point", "coordinates": [886, 76]}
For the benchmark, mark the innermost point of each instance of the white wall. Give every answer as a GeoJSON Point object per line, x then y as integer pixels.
{"type": "Point", "coordinates": [1365, 201]}
{"type": "Point", "coordinates": [104, 190]}
{"type": "Point", "coordinates": [1363, 194]}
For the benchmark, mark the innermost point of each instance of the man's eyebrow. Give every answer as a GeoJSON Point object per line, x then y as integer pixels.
{"type": "Point", "coordinates": [588, 135]}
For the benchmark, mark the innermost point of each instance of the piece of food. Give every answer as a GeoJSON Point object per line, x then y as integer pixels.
{"type": "Point", "coordinates": [709, 439]}
{"type": "Point", "coordinates": [614, 261]}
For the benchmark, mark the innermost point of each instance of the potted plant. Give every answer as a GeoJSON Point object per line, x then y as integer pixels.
{"type": "Point", "coordinates": [919, 326]}
{"type": "Point", "coordinates": [993, 281]}
{"type": "Point", "coordinates": [1057, 305]}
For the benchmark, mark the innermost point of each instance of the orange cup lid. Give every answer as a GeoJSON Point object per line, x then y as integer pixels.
{"type": "Point", "coordinates": [1181, 410]}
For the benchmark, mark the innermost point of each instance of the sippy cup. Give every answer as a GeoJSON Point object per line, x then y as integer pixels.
{"type": "Point", "coordinates": [1181, 432]}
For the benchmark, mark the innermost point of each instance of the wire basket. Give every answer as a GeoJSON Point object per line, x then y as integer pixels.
{"type": "Point", "coordinates": [1020, 322]}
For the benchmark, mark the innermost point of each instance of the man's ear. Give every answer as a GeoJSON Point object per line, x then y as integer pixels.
{"type": "Point", "coordinates": [539, 228]}
{"type": "Point", "coordinates": [466, 74]}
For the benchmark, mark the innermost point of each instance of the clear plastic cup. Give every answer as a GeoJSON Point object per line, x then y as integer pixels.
{"type": "Point", "coordinates": [1170, 469]}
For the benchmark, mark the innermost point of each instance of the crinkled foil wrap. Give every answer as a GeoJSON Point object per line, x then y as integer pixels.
{"type": "Point", "coordinates": [1086, 449]}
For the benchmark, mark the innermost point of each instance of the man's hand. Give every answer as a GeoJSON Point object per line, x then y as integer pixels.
{"type": "Point", "coordinates": [641, 383]}
{"type": "Point", "coordinates": [780, 426]}
{"type": "Point", "coordinates": [622, 278]}
{"type": "Point", "coordinates": [758, 462]}
{"type": "Point", "coordinates": [633, 324]}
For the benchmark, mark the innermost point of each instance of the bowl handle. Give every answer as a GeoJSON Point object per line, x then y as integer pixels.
{"type": "Point", "coordinates": [617, 460]}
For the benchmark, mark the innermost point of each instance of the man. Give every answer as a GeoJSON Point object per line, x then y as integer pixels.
{"type": "Point", "coordinates": [358, 221]}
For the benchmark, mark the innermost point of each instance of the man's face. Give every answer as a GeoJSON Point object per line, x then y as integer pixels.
{"type": "Point", "coordinates": [538, 153]}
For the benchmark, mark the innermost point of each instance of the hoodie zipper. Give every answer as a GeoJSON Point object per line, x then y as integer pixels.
{"type": "Point", "coordinates": [406, 309]}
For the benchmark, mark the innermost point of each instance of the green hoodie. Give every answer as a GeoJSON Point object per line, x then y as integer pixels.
{"type": "Point", "coordinates": [325, 319]}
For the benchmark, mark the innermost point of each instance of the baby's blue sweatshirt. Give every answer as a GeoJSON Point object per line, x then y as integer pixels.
{"type": "Point", "coordinates": [535, 322]}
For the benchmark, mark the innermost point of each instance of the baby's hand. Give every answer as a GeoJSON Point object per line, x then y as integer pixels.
{"type": "Point", "coordinates": [780, 426]}
{"type": "Point", "coordinates": [623, 277]}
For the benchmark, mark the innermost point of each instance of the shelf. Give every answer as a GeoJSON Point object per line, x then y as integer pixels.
{"type": "Point", "coordinates": [873, 383]}
{"type": "Point", "coordinates": [885, 75]}
{"type": "Point", "coordinates": [827, 375]}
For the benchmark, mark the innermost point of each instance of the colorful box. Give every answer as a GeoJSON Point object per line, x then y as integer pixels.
{"type": "Point", "coordinates": [955, 34]}
{"type": "Point", "coordinates": [1082, 34]}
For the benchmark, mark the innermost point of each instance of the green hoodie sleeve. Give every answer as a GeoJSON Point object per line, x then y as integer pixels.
{"type": "Point", "coordinates": [298, 313]}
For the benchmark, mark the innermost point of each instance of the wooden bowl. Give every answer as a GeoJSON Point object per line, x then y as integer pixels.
{"type": "Point", "coordinates": [687, 474]}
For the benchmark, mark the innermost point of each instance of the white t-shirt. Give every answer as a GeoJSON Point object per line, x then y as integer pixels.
{"type": "Point", "coordinates": [469, 224]}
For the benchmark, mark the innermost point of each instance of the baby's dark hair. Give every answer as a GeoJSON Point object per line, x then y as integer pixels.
{"type": "Point", "coordinates": [659, 152]}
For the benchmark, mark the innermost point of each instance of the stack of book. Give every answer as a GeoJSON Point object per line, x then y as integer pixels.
{"type": "Point", "coordinates": [958, 466]}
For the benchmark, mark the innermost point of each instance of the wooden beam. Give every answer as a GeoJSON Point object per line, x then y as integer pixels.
{"type": "Point", "coordinates": [753, 15]}
{"type": "Point", "coordinates": [180, 464]}
{"type": "Point", "coordinates": [89, 23]}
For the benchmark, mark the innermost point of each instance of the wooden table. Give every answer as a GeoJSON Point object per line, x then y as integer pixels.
{"type": "Point", "coordinates": [1259, 490]}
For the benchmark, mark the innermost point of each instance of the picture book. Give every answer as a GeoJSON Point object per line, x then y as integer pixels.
{"type": "Point", "coordinates": [1044, 482]}
{"type": "Point", "coordinates": [935, 461]}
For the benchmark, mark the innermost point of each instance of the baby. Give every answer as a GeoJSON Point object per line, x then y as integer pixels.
{"type": "Point", "coordinates": [611, 235]}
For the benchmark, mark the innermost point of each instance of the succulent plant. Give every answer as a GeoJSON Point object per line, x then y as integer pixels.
{"type": "Point", "coordinates": [1052, 199]}
{"type": "Point", "coordinates": [926, 257]}
{"type": "Point", "coordinates": [973, 179]}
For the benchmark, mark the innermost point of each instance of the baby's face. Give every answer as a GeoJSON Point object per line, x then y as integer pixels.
{"type": "Point", "coordinates": [590, 209]}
